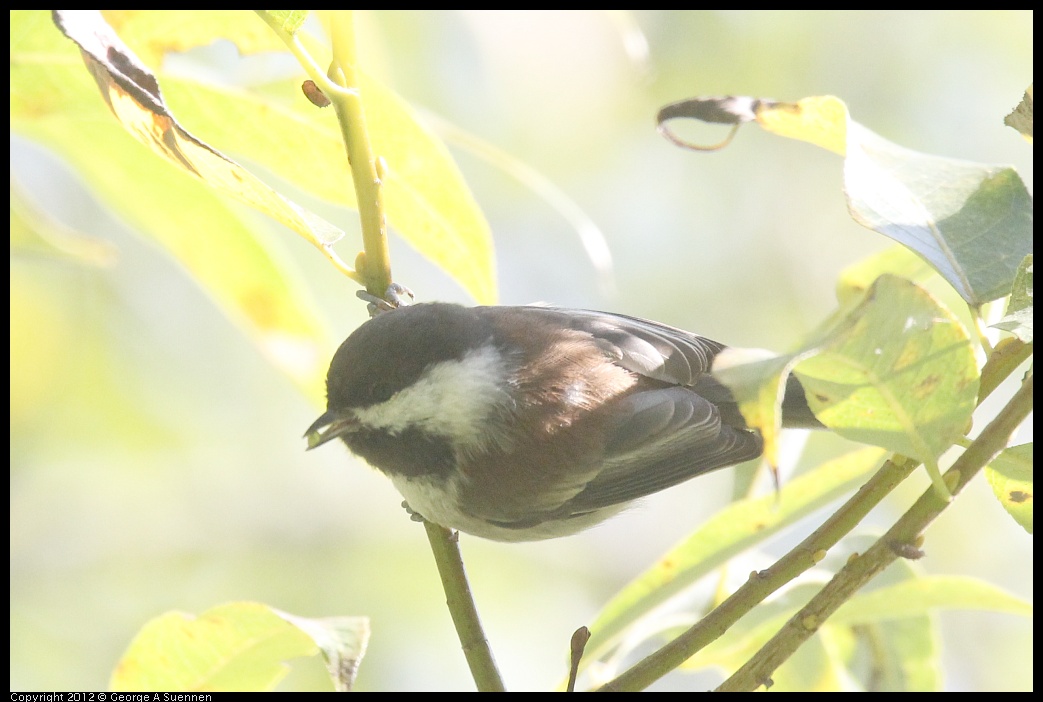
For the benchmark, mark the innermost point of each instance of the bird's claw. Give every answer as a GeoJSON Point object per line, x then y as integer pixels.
{"type": "Point", "coordinates": [394, 297]}
{"type": "Point", "coordinates": [415, 516]}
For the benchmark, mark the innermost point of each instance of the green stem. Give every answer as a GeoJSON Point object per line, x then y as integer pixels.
{"type": "Point", "coordinates": [445, 546]}
{"type": "Point", "coordinates": [367, 171]}
{"type": "Point", "coordinates": [980, 329]}
{"type": "Point", "coordinates": [341, 86]}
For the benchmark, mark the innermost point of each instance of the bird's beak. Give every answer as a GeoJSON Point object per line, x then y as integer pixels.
{"type": "Point", "coordinates": [328, 427]}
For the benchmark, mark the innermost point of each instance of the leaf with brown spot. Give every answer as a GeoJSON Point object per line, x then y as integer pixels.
{"type": "Point", "coordinates": [1010, 476]}
{"type": "Point", "coordinates": [899, 369]}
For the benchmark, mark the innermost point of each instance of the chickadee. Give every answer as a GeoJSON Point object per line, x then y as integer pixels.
{"type": "Point", "coordinates": [525, 423]}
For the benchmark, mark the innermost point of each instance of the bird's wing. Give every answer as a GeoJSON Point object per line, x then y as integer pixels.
{"type": "Point", "coordinates": [654, 350]}
{"type": "Point", "coordinates": [662, 438]}
{"type": "Point", "coordinates": [674, 356]}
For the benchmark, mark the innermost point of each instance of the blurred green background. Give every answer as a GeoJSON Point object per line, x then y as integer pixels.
{"type": "Point", "coordinates": [156, 458]}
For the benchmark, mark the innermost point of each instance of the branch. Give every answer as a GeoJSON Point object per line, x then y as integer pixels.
{"type": "Point", "coordinates": [901, 540]}
{"type": "Point", "coordinates": [763, 583]}
{"type": "Point", "coordinates": [340, 85]}
{"type": "Point", "coordinates": [445, 545]}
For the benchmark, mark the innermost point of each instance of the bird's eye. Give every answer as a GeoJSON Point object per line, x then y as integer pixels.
{"type": "Point", "coordinates": [381, 391]}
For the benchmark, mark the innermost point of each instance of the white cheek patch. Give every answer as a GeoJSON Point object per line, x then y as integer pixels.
{"type": "Point", "coordinates": [461, 399]}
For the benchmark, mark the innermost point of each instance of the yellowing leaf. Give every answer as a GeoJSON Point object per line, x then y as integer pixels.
{"type": "Point", "coordinates": [426, 200]}
{"type": "Point", "coordinates": [152, 33]}
{"type": "Point", "coordinates": [819, 120]}
{"type": "Point", "coordinates": [755, 378]}
{"type": "Point", "coordinates": [1010, 476]}
{"type": "Point", "coordinates": [237, 647]}
{"type": "Point", "coordinates": [133, 94]}
{"type": "Point", "coordinates": [57, 105]}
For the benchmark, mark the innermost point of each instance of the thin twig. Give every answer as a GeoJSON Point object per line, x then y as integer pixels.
{"type": "Point", "coordinates": [445, 546]}
{"type": "Point", "coordinates": [763, 583]}
{"type": "Point", "coordinates": [901, 540]}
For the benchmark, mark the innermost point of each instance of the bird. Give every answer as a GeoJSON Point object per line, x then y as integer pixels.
{"type": "Point", "coordinates": [522, 423]}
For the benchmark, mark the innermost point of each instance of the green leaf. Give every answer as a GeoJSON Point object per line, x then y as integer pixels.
{"type": "Point", "coordinates": [731, 531]}
{"type": "Point", "coordinates": [235, 647]}
{"type": "Point", "coordinates": [894, 369]}
{"type": "Point", "coordinates": [971, 221]}
{"type": "Point", "coordinates": [1018, 319]}
{"type": "Point", "coordinates": [1010, 475]}
{"type": "Point", "coordinates": [287, 20]}
{"type": "Point", "coordinates": [905, 654]}
{"type": "Point", "coordinates": [926, 594]}
{"type": "Point", "coordinates": [897, 371]}
{"type": "Point", "coordinates": [426, 200]}
{"type": "Point", "coordinates": [856, 279]}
